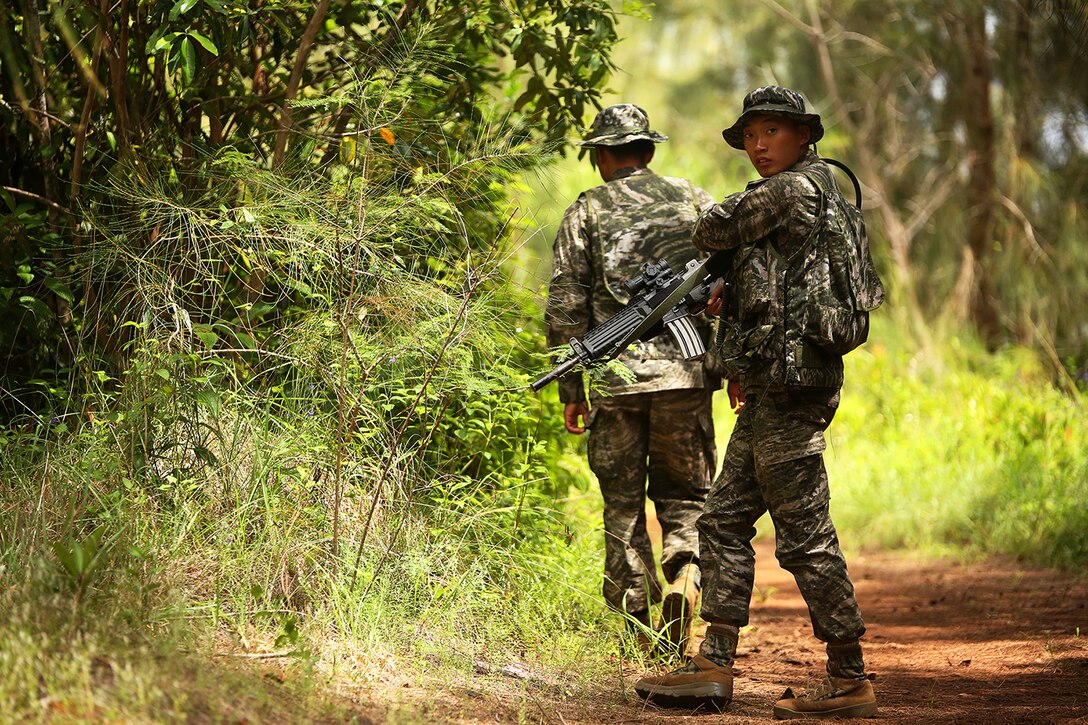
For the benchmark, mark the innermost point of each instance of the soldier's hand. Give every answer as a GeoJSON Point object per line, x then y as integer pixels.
{"type": "Point", "coordinates": [572, 412]}
{"type": "Point", "coordinates": [714, 302]}
{"type": "Point", "coordinates": [736, 396]}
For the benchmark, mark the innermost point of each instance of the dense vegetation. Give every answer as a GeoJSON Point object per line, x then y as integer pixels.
{"type": "Point", "coordinates": [267, 320]}
{"type": "Point", "coordinates": [262, 363]}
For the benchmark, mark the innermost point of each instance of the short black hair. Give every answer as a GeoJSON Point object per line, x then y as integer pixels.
{"type": "Point", "coordinates": [640, 149]}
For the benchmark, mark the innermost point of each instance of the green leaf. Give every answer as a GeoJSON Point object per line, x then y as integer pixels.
{"type": "Point", "coordinates": [188, 58]}
{"type": "Point", "coordinates": [60, 290]}
{"type": "Point", "coordinates": [80, 560]}
{"type": "Point", "coordinates": [67, 558]}
{"type": "Point", "coordinates": [299, 286]}
{"type": "Point", "coordinates": [205, 42]}
{"type": "Point", "coordinates": [181, 7]}
{"type": "Point", "coordinates": [206, 335]}
{"type": "Point", "coordinates": [164, 374]}
{"type": "Point", "coordinates": [157, 45]}
{"type": "Point", "coordinates": [246, 340]}
{"type": "Point", "coordinates": [205, 455]}
{"type": "Point", "coordinates": [260, 308]}
{"type": "Point", "coordinates": [39, 308]}
{"type": "Point", "coordinates": [210, 400]}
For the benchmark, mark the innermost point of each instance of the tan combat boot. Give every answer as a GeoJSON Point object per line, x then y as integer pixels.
{"type": "Point", "coordinates": [678, 609]}
{"type": "Point", "coordinates": [707, 678]}
{"type": "Point", "coordinates": [699, 682]}
{"type": "Point", "coordinates": [837, 697]}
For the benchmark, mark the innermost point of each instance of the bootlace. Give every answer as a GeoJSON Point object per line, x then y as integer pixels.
{"type": "Point", "coordinates": [828, 690]}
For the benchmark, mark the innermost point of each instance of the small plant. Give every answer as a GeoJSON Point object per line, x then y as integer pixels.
{"type": "Point", "coordinates": [80, 561]}
{"type": "Point", "coordinates": [764, 594]}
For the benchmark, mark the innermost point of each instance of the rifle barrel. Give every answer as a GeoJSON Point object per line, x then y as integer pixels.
{"type": "Point", "coordinates": [560, 370]}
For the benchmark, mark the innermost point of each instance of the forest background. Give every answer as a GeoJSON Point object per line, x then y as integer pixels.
{"type": "Point", "coordinates": [270, 295]}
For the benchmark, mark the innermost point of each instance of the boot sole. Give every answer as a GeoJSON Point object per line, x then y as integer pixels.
{"type": "Point", "coordinates": [676, 615]}
{"type": "Point", "coordinates": [865, 709]}
{"type": "Point", "coordinates": [693, 695]}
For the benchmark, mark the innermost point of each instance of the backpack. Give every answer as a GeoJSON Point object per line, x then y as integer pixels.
{"type": "Point", "coordinates": [835, 270]}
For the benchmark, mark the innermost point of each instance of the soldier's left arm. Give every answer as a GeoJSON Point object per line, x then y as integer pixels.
{"type": "Point", "coordinates": [569, 304]}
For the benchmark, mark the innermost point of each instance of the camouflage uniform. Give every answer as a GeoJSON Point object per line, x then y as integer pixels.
{"type": "Point", "coordinates": [660, 425]}
{"type": "Point", "coordinates": [774, 460]}
{"type": "Point", "coordinates": [790, 384]}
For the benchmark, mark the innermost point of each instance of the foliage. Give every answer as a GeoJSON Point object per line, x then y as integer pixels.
{"type": "Point", "coordinates": [995, 462]}
{"type": "Point", "coordinates": [138, 98]}
{"type": "Point", "coordinates": [264, 358]}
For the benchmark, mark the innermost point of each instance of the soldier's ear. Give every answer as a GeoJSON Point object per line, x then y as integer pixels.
{"type": "Point", "coordinates": [806, 133]}
{"type": "Point", "coordinates": [649, 155]}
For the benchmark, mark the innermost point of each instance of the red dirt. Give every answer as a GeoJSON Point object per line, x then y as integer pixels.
{"type": "Point", "coordinates": [949, 643]}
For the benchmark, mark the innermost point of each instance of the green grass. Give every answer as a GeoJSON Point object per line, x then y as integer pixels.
{"type": "Point", "coordinates": [132, 602]}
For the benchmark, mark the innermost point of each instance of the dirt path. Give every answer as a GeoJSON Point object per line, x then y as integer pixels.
{"type": "Point", "coordinates": [949, 643]}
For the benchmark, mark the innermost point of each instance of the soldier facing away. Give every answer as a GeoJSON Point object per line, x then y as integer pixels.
{"type": "Point", "coordinates": [653, 436]}
{"type": "Point", "coordinates": [785, 390]}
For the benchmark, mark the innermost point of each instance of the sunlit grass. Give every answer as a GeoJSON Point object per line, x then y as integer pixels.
{"type": "Point", "coordinates": [955, 450]}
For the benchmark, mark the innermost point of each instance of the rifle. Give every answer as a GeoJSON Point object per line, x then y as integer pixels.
{"type": "Point", "coordinates": [660, 300]}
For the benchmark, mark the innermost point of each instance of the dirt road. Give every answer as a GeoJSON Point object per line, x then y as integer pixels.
{"type": "Point", "coordinates": [949, 643]}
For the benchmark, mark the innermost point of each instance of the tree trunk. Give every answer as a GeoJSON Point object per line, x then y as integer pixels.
{"type": "Point", "coordinates": [982, 305]}
{"type": "Point", "coordinates": [900, 230]}
{"type": "Point", "coordinates": [1025, 104]}
{"type": "Point", "coordinates": [303, 54]}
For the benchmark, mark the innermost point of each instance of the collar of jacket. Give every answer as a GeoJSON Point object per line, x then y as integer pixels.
{"type": "Point", "coordinates": [629, 171]}
{"type": "Point", "coordinates": [810, 157]}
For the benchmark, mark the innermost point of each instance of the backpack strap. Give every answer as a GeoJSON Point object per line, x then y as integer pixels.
{"type": "Point", "coordinates": [597, 245]}
{"type": "Point", "coordinates": [694, 198]}
{"type": "Point", "coordinates": [820, 221]}
{"type": "Point", "coordinates": [853, 179]}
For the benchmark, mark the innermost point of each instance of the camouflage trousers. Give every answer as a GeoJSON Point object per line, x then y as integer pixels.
{"type": "Point", "coordinates": [774, 461]}
{"type": "Point", "coordinates": [660, 445]}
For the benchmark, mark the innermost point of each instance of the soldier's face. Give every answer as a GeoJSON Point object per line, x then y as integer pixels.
{"type": "Point", "coordinates": [774, 144]}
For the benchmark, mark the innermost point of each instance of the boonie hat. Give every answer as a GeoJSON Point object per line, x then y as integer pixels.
{"type": "Point", "coordinates": [773, 101]}
{"type": "Point", "coordinates": [620, 124]}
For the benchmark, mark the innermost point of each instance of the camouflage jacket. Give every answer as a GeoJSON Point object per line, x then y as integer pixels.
{"type": "Point", "coordinates": [768, 227]}
{"type": "Point", "coordinates": [604, 239]}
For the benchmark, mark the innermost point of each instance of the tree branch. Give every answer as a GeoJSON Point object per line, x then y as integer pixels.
{"type": "Point", "coordinates": [304, 47]}
{"type": "Point", "coordinates": [38, 198]}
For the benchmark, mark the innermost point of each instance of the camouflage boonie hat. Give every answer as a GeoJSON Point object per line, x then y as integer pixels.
{"type": "Point", "coordinates": [620, 124]}
{"type": "Point", "coordinates": [773, 101]}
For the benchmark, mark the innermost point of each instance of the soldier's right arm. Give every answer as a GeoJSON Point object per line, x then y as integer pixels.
{"type": "Point", "coordinates": [747, 216]}
{"type": "Point", "coordinates": [569, 294]}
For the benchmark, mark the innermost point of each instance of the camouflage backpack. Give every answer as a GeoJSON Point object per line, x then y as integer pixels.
{"type": "Point", "coordinates": [834, 265]}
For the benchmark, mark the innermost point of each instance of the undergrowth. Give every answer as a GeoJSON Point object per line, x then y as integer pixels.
{"type": "Point", "coordinates": [298, 435]}
{"type": "Point", "coordinates": [951, 449]}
